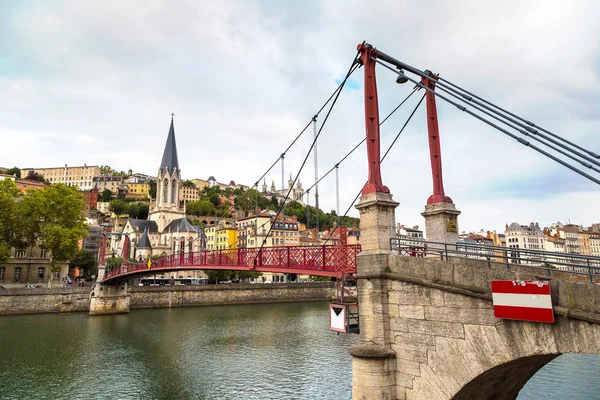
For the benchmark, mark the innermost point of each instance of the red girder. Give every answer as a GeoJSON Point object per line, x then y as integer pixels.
{"type": "Point", "coordinates": [334, 261]}
{"type": "Point", "coordinates": [374, 183]}
{"type": "Point", "coordinates": [435, 151]}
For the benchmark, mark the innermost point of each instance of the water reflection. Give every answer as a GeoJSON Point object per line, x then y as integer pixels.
{"type": "Point", "coordinates": [279, 351]}
{"type": "Point", "coordinates": [569, 376]}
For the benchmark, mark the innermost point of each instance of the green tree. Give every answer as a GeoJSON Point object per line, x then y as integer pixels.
{"type": "Point", "coordinates": [187, 183]}
{"type": "Point", "coordinates": [215, 199]}
{"type": "Point", "coordinates": [106, 195]}
{"type": "Point", "coordinates": [118, 206]}
{"type": "Point", "coordinates": [14, 171]}
{"type": "Point", "coordinates": [320, 278]}
{"type": "Point", "coordinates": [85, 260]}
{"type": "Point", "coordinates": [215, 276]}
{"type": "Point", "coordinates": [205, 207]}
{"type": "Point", "coordinates": [54, 217]}
{"type": "Point", "coordinates": [144, 210]}
{"type": "Point", "coordinates": [132, 209]}
{"type": "Point", "coordinates": [152, 192]}
{"type": "Point", "coordinates": [34, 176]}
{"type": "Point", "coordinates": [112, 263]}
{"type": "Point", "coordinates": [274, 202]}
{"type": "Point", "coordinates": [106, 170]}
{"type": "Point", "coordinates": [9, 219]}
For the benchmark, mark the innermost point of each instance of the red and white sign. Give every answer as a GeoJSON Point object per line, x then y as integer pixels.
{"type": "Point", "coordinates": [337, 317]}
{"type": "Point", "coordinates": [522, 300]}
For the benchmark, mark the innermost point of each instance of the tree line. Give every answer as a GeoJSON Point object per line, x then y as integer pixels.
{"type": "Point", "coordinates": [51, 217]}
{"type": "Point", "coordinates": [209, 204]}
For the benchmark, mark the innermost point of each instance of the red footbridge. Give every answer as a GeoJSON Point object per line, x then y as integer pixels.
{"type": "Point", "coordinates": [333, 261]}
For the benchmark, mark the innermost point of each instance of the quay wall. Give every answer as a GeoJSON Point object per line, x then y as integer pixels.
{"type": "Point", "coordinates": [53, 300]}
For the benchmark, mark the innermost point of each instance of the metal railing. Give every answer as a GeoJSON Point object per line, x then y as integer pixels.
{"type": "Point", "coordinates": [572, 263]}
{"type": "Point", "coordinates": [336, 259]}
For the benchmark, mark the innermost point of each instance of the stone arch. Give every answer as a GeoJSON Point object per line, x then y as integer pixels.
{"type": "Point", "coordinates": [451, 346]}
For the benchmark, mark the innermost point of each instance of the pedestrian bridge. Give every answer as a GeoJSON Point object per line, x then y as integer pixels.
{"type": "Point", "coordinates": [332, 261]}
{"type": "Point", "coordinates": [428, 329]}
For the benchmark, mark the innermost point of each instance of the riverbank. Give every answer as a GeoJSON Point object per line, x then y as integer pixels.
{"type": "Point", "coordinates": [76, 299]}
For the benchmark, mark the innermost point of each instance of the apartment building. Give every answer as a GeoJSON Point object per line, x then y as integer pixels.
{"type": "Point", "coordinates": [79, 176]}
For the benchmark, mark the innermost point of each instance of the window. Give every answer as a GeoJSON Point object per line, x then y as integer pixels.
{"type": "Point", "coordinates": [41, 273]}
{"type": "Point", "coordinates": [17, 275]}
{"type": "Point", "coordinates": [2, 273]}
{"type": "Point", "coordinates": [19, 253]}
{"type": "Point", "coordinates": [43, 252]}
{"type": "Point", "coordinates": [165, 191]}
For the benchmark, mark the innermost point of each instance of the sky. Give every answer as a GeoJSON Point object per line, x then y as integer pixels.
{"type": "Point", "coordinates": [96, 83]}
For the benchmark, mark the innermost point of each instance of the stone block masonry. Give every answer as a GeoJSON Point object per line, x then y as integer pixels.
{"type": "Point", "coordinates": [44, 300]}
{"type": "Point", "coordinates": [184, 296]}
{"type": "Point", "coordinates": [41, 300]}
{"type": "Point", "coordinates": [444, 341]}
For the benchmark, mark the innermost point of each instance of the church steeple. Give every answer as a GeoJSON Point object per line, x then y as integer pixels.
{"type": "Point", "coordinates": [169, 159]}
{"type": "Point", "coordinates": [167, 206]}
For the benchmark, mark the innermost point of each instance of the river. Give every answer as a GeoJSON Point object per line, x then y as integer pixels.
{"type": "Point", "coordinates": [265, 351]}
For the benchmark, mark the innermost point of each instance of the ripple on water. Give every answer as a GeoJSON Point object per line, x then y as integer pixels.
{"type": "Point", "coordinates": [569, 376]}
{"type": "Point", "coordinates": [269, 351]}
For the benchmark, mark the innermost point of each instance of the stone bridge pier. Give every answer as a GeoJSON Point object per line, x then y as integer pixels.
{"type": "Point", "coordinates": [108, 299]}
{"type": "Point", "coordinates": [430, 332]}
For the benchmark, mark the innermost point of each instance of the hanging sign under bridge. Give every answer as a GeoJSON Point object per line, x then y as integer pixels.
{"type": "Point", "coordinates": [522, 300]}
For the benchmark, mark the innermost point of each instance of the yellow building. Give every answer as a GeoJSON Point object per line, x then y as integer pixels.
{"type": "Point", "coordinates": [226, 237]}
{"type": "Point", "coordinates": [189, 193]}
{"type": "Point", "coordinates": [82, 177]}
{"type": "Point", "coordinates": [138, 191]}
{"type": "Point", "coordinates": [201, 183]}
{"type": "Point", "coordinates": [222, 236]}
{"type": "Point", "coordinates": [211, 237]}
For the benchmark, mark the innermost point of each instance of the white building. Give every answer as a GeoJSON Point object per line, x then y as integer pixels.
{"type": "Point", "coordinates": [525, 237]}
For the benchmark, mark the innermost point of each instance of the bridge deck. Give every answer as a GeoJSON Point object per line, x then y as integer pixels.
{"type": "Point", "coordinates": [334, 261]}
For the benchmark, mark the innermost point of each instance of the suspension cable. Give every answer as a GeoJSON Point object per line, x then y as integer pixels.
{"type": "Point", "coordinates": [526, 133]}
{"type": "Point", "coordinates": [513, 136]}
{"type": "Point", "coordinates": [364, 139]}
{"type": "Point", "coordinates": [469, 97]}
{"type": "Point", "coordinates": [350, 70]}
{"type": "Point", "coordinates": [336, 91]}
{"type": "Point", "coordinates": [531, 124]}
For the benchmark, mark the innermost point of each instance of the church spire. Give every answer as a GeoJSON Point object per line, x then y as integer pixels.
{"type": "Point", "coordinates": [169, 159]}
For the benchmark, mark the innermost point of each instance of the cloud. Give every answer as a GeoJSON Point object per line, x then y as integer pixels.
{"type": "Point", "coordinates": [96, 84]}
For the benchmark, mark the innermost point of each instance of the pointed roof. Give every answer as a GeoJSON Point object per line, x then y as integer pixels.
{"type": "Point", "coordinates": [140, 225]}
{"type": "Point", "coordinates": [180, 225]}
{"type": "Point", "coordinates": [169, 159]}
{"type": "Point", "coordinates": [144, 241]}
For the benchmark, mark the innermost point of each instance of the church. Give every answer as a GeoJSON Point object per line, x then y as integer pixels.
{"type": "Point", "coordinates": [167, 230]}
{"type": "Point", "coordinates": [295, 193]}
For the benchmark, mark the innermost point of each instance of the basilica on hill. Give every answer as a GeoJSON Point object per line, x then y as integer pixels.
{"type": "Point", "coordinates": [167, 230]}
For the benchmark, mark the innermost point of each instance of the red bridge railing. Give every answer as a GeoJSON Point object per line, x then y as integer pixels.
{"type": "Point", "coordinates": [326, 260]}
